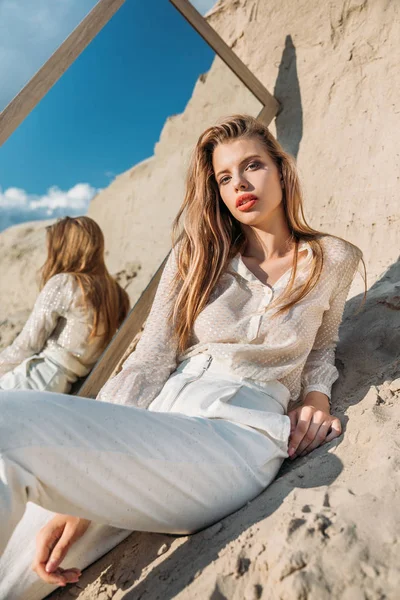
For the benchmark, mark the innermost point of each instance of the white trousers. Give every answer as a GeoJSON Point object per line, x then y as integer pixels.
{"type": "Point", "coordinates": [124, 468]}
{"type": "Point", "coordinates": [39, 373]}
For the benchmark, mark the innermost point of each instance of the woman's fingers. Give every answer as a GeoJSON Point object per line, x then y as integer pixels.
{"type": "Point", "coordinates": [62, 546]}
{"type": "Point", "coordinates": [300, 420]}
{"type": "Point", "coordinates": [52, 544]}
{"type": "Point", "coordinates": [311, 434]}
{"type": "Point", "coordinates": [318, 440]}
{"type": "Point", "coordinates": [58, 577]}
{"type": "Point", "coordinates": [46, 539]}
{"type": "Point", "coordinates": [328, 431]}
{"type": "Point", "coordinates": [336, 427]}
{"type": "Point", "coordinates": [310, 428]}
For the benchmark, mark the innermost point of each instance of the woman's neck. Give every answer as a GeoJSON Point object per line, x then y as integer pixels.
{"type": "Point", "coordinates": [265, 245]}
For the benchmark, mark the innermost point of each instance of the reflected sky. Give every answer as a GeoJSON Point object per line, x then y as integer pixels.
{"type": "Point", "coordinates": [31, 30]}
{"type": "Point", "coordinates": [104, 115]}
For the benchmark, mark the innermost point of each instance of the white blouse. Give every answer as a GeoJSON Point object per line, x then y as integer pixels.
{"type": "Point", "coordinates": [236, 328]}
{"type": "Point", "coordinates": [59, 327]}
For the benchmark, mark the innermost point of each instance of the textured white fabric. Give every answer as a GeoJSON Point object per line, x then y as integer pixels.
{"type": "Point", "coordinates": [38, 372]}
{"type": "Point", "coordinates": [59, 326]}
{"type": "Point", "coordinates": [236, 328]}
{"type": "Point", "coordinates": [224, 395]}
{"type": "Point", "coordinates": [126, 467]}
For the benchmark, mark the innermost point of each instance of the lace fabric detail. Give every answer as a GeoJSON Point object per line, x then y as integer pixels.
{"type": "Point", "coordinates": [237, 329]}
{"type": "Point", "coordinates": [58, 325]}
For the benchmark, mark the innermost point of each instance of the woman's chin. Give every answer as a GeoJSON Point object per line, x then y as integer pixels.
{"type": "Point", "coordinates": [250, 217]}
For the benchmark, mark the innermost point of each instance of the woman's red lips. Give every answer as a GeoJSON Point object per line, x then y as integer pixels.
{"type": "Point", "coordinates": [244, 200]}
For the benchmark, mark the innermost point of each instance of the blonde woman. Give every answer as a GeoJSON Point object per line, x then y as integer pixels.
{"type": "Point", "coordinates": [245, 320]}
{"type": "Point", "coordinates": [78, 310]}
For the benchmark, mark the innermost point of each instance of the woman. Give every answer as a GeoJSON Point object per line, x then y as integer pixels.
{"type": "Point", "coordinates": [78, 310]}
{"type": "Point", "coordinates": [245, 319]}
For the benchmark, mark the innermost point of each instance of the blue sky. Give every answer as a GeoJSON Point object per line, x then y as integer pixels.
{"type": "Point", "coordinates": [106, 112]}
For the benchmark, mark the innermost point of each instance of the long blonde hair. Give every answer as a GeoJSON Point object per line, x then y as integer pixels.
{"type": "Point", "coordinates": [76, 246]}
{"type": "Point", "coordinates": [209, 236]}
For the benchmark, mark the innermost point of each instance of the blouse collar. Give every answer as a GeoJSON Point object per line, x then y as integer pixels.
{"type": "Point", "coordinates": [240, 268]}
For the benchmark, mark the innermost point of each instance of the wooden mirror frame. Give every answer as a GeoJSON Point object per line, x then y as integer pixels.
{"type": "Point", "coordinates": [16, 111]}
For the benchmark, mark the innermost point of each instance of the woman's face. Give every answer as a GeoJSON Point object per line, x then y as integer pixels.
{"type": "Point", "coordinates": [248, 180]}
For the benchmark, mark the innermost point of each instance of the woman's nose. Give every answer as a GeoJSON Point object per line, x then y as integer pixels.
{"type": "Point", "coordinates": [240, 183]}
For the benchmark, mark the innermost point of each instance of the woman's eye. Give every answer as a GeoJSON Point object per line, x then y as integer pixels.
{"type": "Point", "coordinates": [253, 166]}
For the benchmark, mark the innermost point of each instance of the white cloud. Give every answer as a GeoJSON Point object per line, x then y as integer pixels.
{"type": "Point", "coordinates": [17, 206]}
{"type": "Point", "coordinates": [203, 6]}
{"type": "Point", "coordinates": [77, 198]}
{"type": "Point", "coordinates": [30, 31]}
{"type": "Point", "coordinates": [13, 197]}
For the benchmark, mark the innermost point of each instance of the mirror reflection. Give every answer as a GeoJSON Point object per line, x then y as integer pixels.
{"type": "Point", "coordinates": [111, 140]}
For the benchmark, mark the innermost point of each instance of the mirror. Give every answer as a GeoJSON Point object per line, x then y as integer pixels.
{"type": "Point", "coordinates": [111, 139]}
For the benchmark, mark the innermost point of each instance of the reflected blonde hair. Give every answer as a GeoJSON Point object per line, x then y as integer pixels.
{"type": "Point", "coordinates": [76, 246]}
{"type": "Point", "coordinates": [209, 236]}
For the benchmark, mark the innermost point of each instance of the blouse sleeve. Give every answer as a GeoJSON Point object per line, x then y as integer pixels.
{"type": "Point", "coordinates": [319, 371]}
{"type": "Point", "coordinates": [146, 370]}
{"type": "Point", "coordinates": [52, 303]}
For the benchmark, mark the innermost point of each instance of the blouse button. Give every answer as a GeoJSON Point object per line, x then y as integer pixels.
{"type": "Point", "coordinates": [268, 295]}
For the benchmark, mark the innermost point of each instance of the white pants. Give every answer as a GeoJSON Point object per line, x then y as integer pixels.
{"type": "Point", "coordinates": [40, 373]}
{"type": "Point", "coordinates": [124, 468]}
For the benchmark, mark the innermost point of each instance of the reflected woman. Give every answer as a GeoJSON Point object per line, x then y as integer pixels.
{"type": "Point", "coordinates": [78, 310]}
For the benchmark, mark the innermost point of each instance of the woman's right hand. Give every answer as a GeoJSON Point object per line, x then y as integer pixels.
{"type": "Point", "coordinates": [52, 544]}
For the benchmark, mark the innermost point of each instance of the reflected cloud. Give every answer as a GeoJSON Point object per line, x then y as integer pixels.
{"type": "Point", "coordinates": [17, 205]}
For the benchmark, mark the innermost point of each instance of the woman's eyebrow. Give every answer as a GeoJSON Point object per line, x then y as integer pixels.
{"type": "Point", "coordinates": [241, 162]}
